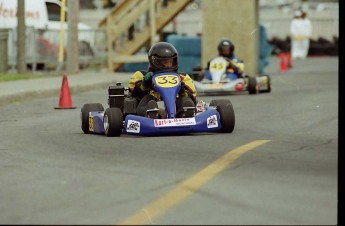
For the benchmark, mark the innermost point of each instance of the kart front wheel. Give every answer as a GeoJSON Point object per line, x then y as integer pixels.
{"type": "Point", "coordinates": [251, 86]}
{"type": "Point", "coordinates": [85, 114]}
{"type": "Point", "coordinates": [227, 114]}
{"type": "Point", "coordinates": [113, 122]}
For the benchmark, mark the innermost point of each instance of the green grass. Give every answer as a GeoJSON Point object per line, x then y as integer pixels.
{"type": "Point", "coordinates": [14, 77]}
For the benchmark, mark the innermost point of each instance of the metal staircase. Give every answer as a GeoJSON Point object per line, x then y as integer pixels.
{"type": "Point", "coordinates": [122, 18]}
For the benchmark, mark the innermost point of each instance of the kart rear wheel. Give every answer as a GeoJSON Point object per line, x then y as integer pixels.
{"type": "Point", "coordinates": [85, 114]}
{"type": "Point", "coordinates": [113, 122]}
{"type": "Point", "coordinates": [227, 114]}
{"type": "Point", "coordinates": [268, 90]}
{"type": "Point", "coordinates": [251, 86]}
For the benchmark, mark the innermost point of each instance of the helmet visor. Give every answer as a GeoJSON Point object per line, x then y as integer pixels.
{"type": "Point", "coordinates": [165, 64]}
{"type": "Point", "coordinates": [226, 51]}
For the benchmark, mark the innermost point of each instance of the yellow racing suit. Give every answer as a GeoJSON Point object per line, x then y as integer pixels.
{"type": "Point", "coordinates": [138, 90]}
{"type": "Point", "coordinates": [235, 66]}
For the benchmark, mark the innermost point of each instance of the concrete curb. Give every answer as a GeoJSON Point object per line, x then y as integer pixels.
{"type": "Point", "coordinates": [48, 93]}
{"type": "Point", "coordinates": [49, 87]}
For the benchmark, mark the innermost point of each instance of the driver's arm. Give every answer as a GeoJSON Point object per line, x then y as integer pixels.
{"type": "Point", "coordinates": [135, 84]}
{"type": "Point", "coordinates": [189, 86]}
{"type": "Point", "coordinates": [236, 65]}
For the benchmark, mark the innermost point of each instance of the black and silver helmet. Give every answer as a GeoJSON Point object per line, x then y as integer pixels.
{"type": "Point", "coordinates": [160, 53]}
{"type": "Point", "coordinates": [226, 45]}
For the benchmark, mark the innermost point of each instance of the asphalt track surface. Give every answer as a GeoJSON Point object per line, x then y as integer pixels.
{"type": "Point", "coordinates": [279, 166]}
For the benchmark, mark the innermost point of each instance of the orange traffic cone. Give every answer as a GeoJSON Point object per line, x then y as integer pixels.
{"type": "Point", "coordinates": [289, 61]}
{"type": "Point", "coordinates": [65, 96]}
{"type": "Point", "coordinates": [283, 62]}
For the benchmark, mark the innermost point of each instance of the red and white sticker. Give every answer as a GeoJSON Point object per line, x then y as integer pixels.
{"type": "Point", "coordinates": [174, 122]}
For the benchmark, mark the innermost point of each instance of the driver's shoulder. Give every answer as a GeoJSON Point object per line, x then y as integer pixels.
{"type": "Point", "coordinates": [142, 72]}
{"type": "Point", "coordinates": [183, 74]}
{"type": "Point", "coordinates": [236, 59]}
{"type": "Point", "coordinates": [137, 76]}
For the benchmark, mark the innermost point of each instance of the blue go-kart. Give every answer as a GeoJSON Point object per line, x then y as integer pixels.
{"type": "Point", "coordinates": [121, 116]}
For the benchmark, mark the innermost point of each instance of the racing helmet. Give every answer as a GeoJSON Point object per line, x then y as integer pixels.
{"type": "Point", "coordinates": [163, 56]}
{"type": "Point", "coordinates": [226, 48]}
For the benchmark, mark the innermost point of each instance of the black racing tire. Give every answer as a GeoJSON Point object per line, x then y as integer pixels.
{"type": "Point", "coordinates": [85, 114]}
{"type": "Point", "coordinates": [113, 122]}
{"type": "Point", "coordinates": [227, 114]}
{"type": "Point", "coordinates": [268, 90]}
{"type": "Point", "coordinates": [219, 102]}
{"type": "Point", "coordinates": [251, 86]}
{"type": "Point", "coordinates": [85, 49]}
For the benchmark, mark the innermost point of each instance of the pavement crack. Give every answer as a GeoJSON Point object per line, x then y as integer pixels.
{"type": "Point", "coordinates": [305, 147]}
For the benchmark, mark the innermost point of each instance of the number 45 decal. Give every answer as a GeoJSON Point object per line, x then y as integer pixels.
{"type": "Point", "coordinates": [217, 66]}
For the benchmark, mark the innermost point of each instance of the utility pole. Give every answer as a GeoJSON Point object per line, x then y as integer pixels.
{"type": "Point", "coordinates": [62, 37]}
{"type": "Point", "coordinates": [72, 37]}
{"type": "Point", "coordinates": [3, 50]}
{"type": "Point", "coordinates": [21, 38]}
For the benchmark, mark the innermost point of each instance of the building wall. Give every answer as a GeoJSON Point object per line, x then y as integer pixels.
{"type": "Point", "coordinates": [236, 20]}
{"type": "Point", "coordinates": [275, 19]}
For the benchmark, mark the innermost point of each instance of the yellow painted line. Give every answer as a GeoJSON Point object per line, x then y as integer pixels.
{"type": "Point", "coordinates": [187, 187]}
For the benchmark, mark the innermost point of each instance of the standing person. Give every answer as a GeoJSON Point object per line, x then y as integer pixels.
{"type": "Point", "coordinates": [162, 56]}
{"type": "Point", "coordinates": [300, 29]}
{"type": "Point", "coordinates": [265, 50]}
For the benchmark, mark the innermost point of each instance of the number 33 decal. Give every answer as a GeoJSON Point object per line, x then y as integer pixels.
{"type": "Point", "coordinates": [167, 80]}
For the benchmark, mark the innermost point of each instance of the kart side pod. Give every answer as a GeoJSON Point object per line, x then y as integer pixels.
{"type": "Point", "coordinates": [119, 98]}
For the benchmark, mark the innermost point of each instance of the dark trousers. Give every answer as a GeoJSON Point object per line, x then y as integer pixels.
{"type": "Point", "coordinates": [180, 102]}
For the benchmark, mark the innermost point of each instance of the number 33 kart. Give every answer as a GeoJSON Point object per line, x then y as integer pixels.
{"type": "Point", "coordinates": [121, 116]}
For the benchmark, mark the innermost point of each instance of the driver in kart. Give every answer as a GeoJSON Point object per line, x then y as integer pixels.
{"type": "Point", "coordinates": [235, 66]}
{"type": "Point", "coordinates": [163, 57]}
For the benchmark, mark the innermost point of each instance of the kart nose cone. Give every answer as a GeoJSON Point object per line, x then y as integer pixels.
{"type": "Point", "coordinates": [239, 87]}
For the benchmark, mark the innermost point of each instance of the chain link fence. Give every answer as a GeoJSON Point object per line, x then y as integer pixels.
{"type": "Point", "coordinates": [42, 48]}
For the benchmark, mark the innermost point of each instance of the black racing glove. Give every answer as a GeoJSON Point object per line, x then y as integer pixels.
{"type": "Point", "coordinates": [147, 81]}
{"type": "Point", "coordinates": [232, 64]}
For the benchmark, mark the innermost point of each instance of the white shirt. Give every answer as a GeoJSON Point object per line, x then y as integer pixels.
{"type": "Point", "coordinates": [300, 28]}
